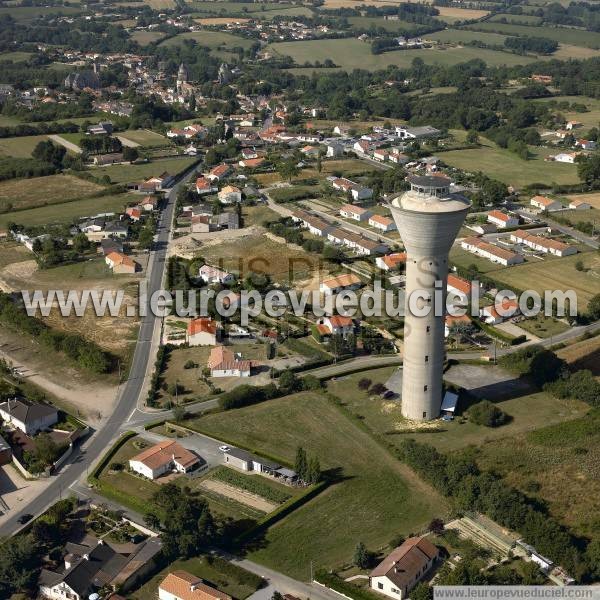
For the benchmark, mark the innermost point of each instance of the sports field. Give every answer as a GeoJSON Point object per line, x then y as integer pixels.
{"type": "Point", "coordinates": [375, 498]}
{"type": "Point", "coordinates": [19, 194]}
{"type": "Point", "coordinates": [509, 168]}
{"type": "Point", "coordinates": [210, 39]}
{"type": "Point", "coordinates": [576, 37]}
{"type": "Point", "coordinates": [68, 211]}
{"type": "Point", "coordinates": [353, 54]}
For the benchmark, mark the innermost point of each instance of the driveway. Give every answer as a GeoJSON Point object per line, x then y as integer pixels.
{"type": "Point", "coordinates": [66, 144]}
{"type": "Point", "coordinates": [204, 446]}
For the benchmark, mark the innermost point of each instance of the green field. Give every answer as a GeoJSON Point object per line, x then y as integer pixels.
{"type": "Point", "coordinates": [352, 54]}
{"type": "Point", "coordinates": [235, 8]}
{"type": "Point", "coordinates": [30, 13]}
{"type": "Point", "coordinates": [145, 137]}
{"type": "Point", "coordinates": [375, 497]}
{"type": "Point", "coordinates": [576, 37]}
{"type": "Point", "coordinates": [16, 56]}
{"type": "Point", "coordinates": [588, 119]}
{"type": "Point", "coordinates": [17, 194]}
{"type": "Point", "coordinates": [132, 173]}
{"type": "Point", "coordinates": [68, 211]}
{"type": "Point", "coordinates": [20, 147]}
{"type": "Point", "coordinates": [557, 465]}
{"type": "Point", "coordinates": [379, 22]}
{"type": "Point", "coordinates": [465, 259]}
{"type": "Point", "coordinates": [210, 39]}
{"type": "Point", "coordinates": [508, 167]}
{"type": "Point", "coordinates": [464, 36]}
{"type": "Point", "coordinates": [518, 19]}
{"type": "Point", "coordinates": [225, 576]}
{"type": "Point", "coordinates": [143, 38]}
{"type": "Point", "coordinates": [557, 274]}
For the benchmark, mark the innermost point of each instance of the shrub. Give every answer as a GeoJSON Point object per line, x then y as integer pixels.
{"type": "Point", "coordinates": [487, 413]}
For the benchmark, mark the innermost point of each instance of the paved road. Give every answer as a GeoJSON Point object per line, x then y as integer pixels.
{"type": "Point", "coordinates": [574, 233]}
{"type": "Point", "coordinates": [93, 448]}
{"type": "Point", "coordinates": [66, 144]}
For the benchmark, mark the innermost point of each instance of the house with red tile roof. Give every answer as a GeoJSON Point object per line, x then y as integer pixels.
{"type": "Point", "coordinates": [164, 457]}
{"type": "Point", "coordinates": [181, 585]}
{"type": "Point", "coordinates": [202, 331]}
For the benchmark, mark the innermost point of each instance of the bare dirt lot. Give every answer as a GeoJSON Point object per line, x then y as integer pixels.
{"type": "Point", "coordinates": [239, 495]}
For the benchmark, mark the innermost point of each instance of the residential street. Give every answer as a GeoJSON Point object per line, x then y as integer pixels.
{"type": "Point", "coordinates": [129, 393]}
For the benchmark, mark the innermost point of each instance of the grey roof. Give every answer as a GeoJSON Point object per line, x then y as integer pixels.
{"type": "Point", "coordinates": [3, 445]}
{"type": "Point", "coordinates": [27, 412]}
{"type": "Point", "coordinates": [287, 473]}
{"type": "Point", "coordinates": [240, 454]}
{"type": "Point", "coordinates": [430, 181]}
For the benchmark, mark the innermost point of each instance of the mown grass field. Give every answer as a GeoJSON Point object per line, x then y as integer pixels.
{"type": "Point", "coordinates": [557, 274]}
{"type": "Point", "coordinates": [465, 36]}
{"type": "Point", "coordinates": [451, 14]}
{"type": "Point", "coordinates": [508, 167]}
{"type": "Point", "coordinates": [227, 7]}
{"type": "Point", "coordinates": [143, 38]}
{"type": "Point", "coordinates": [380, 22]}
{"type": "Point", "coordinates": [351, 54]}
{"type": "Point", "coordinates": [68, 211]}
{"type": "Point", "coordinates": [132, 173]}
{"type": "Point", "coordinates": [30, 13]}
{"type": "Point", "coordinates": [16, 56]}
{"type": "Point", "coordinates": [375, 497]}
{"type": "Point", "coordinates": [210, 39]}
{"type": "Point", "coordinates": [145, 137]}
{"type": "Point", "coordinates": [16, 194]}
{"type": "Point", "coordinates": [558, 465]}
{"type": "Point", "coordinates": [576, 37]}
{"type": "Point", "coordinates": [20, 147]}
{"type": "Point", "coordinates": [465, 259]}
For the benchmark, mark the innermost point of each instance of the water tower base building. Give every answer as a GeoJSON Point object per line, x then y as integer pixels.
{"type": "Point", "coordinates": [428, 217]}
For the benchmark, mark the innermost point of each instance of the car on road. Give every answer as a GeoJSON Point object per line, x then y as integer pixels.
{"type": "Point", "coordinates": [224, 448]}
{"type": "Point", "coordinates": [24, 518]}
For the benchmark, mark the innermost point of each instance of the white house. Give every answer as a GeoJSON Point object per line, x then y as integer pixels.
{"type": "Point", "coordinates": [543, 244]}
{"type": "Point", "coordinates": [368, 247]}
{"type": "Point", "coordinates": [223, 363]}
{"type": "Point", "coordinates": [336, 325]}
{"type": "Point", "coordinates": [566, 157]}
{"type": "Point", "coordinates": [417, 133]}
{"type": "Point", "coordinates": [29, 417]}
{"type": "Point", "coordinates": [204, 186]}
{"type": "Point", "coordinates": [579, 205]}
{"type": "Point", "coordinates": [493, 315]}
{"type": "Point", "coordinates": [391, 261]}
{"type": "Point", "coordinates": [459, 287]}
{"type": "Point", "coordinates": [202, 332]}
{"type": "Point", "coordinates": [210, 274]}
{"type": "Point", "coordinates": [357, 213]}
{"type": "Point", "coordinates": [493, 253]}
{"type": "Point", "coordinates": [230, 194]}
{"type": "Point", "coordinates": [544, 203]}
{"type": "Point", "coordinates": [382, 223]}
{"type": "Point", "coordinates": [502, 220]}
{"type": "Point", "coordinates": [334, 285]}
{"type": "Point", "coordinates": [334, 150]}
{"type": "Point", "coordinates": [164, 457]}
{"type": "Point", "coordinates": [397, 574]}
{"type": "Point", "coordinates": [181, 585]}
